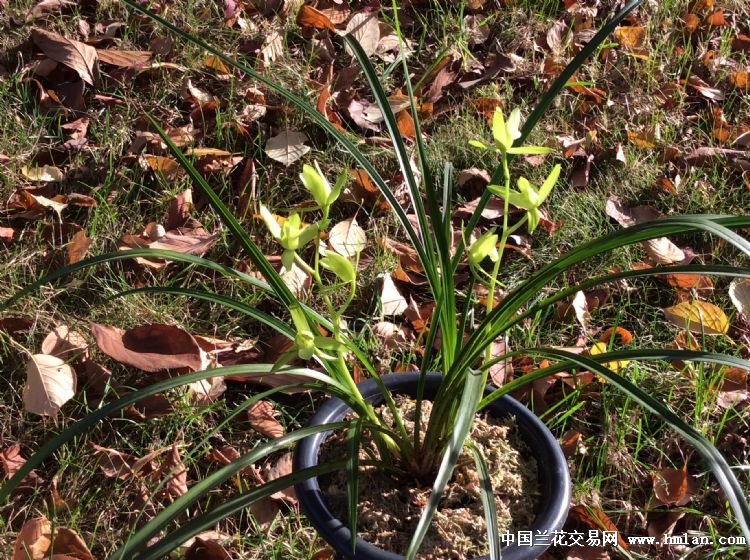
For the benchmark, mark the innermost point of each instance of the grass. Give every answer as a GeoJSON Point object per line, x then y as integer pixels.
{"type": "Point", "coordinates": [623, 445]}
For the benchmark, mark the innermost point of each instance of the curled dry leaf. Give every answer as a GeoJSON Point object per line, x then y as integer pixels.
{"type": "Point", "coordinates": [206, 550]}
{"type": "Point", "coordinates": [596, 519]}
{"type": "Point", "coordinates": [50, 383]}
{"type": "Point", "coordinates": [75, 55]}
{"type": "Point", "coordinates": [69, 544]}
{"type": "Point", "coordinates": [739, 293]}
{"type": "Point", "coordinates": [393, 303]}
{"type": "Point", "coordinates": [12, 460]}
{"type": "Point", "coordinates": [732, 389]}
{"type": "Point", "coordinates": [262, 418]}
{"type": "Point", "coordinates": [698, 317]}
{"type": "Point", "coordinates": [347, 238]}
{"type": "Point", "coordinates": [34, 540]}
{"type": "Point", "coordinates": [65, 344]}
{"type": "Point", "coordinates": [287, 146]}
{"type": "Point", "coordinates": [153, 347]}
{"type": "Point", "coordinates": [78, 247]}
{"type": "Point", "coordinates": [176, 485]}
{"type": "Point", "coordinates": [282, 467]}
{"type": "Point", "coordinates": [673, 487]}
{"type": "Point", "coordinates": [501, 371]}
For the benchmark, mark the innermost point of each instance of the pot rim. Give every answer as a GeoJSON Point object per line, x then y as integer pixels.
{"type": "Point", "coordinates": [554, 479]}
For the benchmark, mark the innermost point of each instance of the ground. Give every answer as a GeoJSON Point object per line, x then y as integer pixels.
{"type": "Point", "coordinates": [630, 127]}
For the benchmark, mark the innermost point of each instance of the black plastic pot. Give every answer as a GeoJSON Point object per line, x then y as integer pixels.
{"type": "Point", "coordinates": [554, 479]}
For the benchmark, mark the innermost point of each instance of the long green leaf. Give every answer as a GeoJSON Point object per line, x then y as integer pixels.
{"type": "Point", "coordinates": [472, 392]}
{"type": "Point", "coordinates": [218, 299]}
{"type": "Point", "coordinates": [713, 458]}
{"type": "Point", "coordinates": [488, 501]}
{"type": "Point", "coordinates": [231, 506]}
{"type": "Point", "coordinates": [423, 244]}
{"type": "Point", "coordinates": [700, 269]}
{"type": "Point", "coordinates": [227, 218]}
{"type": "Point", "coordinates": [639, 354]}
{"type": "Point", "coordinates": [89, 421]}
{"type": "Point", "coordinates": [495, 323]}
{"type": "Point", "coordinates": [353, 439]}
{"type": "Point", "coordinates": [211, 481]}
{"type": "Point", "coordinates": [198, 446]}
{"type": "Point", "coordinates": [131, 254]}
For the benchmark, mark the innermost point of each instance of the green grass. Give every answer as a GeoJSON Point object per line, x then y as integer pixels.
{"type": "Point", "coordinates": [624, 445]}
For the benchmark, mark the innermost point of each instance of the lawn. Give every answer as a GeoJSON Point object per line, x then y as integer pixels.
{"type": "Point", "coordinates": [656, 123]}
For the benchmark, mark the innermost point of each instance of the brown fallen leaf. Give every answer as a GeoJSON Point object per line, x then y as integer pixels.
{"type": "Point", "coordinates": [153, 347]}
{"type": "Point", "coordinates": [34, 540]}
{"type": "Point", "coordinates": [262, 418]}
{"type": "Point", "coordinates": [173, 466]}
{"type": "Point", "coordinates": [69, 544]}
{"type": "Point", "coordinates": [630, 36]}
{"type": "Point", "coordinates": [673, 487]}
{"type": "Point", "coordinates": [11, 460]}
{"type": "Point", "coordinates": [501, 371]}
{"type": "Point", "coordinates": [6, 233]}
{"type": "Point", "coordinates": [123, 59]}
{"type": "Point", "coordinates": [65, 344]}
{"type": "Point", "coordinates": [739, 293]}
{"type": "Point", "coordinates": [364, 27]}
{"type": "Point", "coordinates": [50, 383]}
{"type": "Point", "coordinates": [347, 238]}
{"type": "Point", "coordinates": [393, 303]}
{"type": "Point", "coordinates": [281, 467]}
{"type": "Point", "coordinates": [704, 89]}
{"type": "Point", "coordinates": [206, 550]}
{"type": "Point", "coordinates": [732, 389]}
{"type": "Point", "coordinates": [45, 173]}
{"type": "Point", "coordinates": [181, 240]}
{"type": "Point", "coordinates": [287, 147]}
{"type": "Point", "coordinates": [310, 17]}
{"type": "Point", "coordinates": [596, 519]}
{"type": "Point", "coordinates": [698, 317]}
{"type": "Point", "coordinates": [75, 55]}
{"type": "Point", "coordinates": [78, 247]}
{"type": "Point", "coordinates": [740, 80]}
{"type": "Point", "coordinates": [587, 553]}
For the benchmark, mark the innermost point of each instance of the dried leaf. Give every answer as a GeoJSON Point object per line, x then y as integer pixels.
{"type": "Point", "coordinates": [78, 247]}
{"type": "Point", "coordinates": [673, 487]}
{"type": "Point", "coordinates": [45, 173]}
{"type": "Point", "coordinates": [262, 418]}
{"type": "Point", "coordinates": [704, 89]}
{"type": "Point", "coordinates": [69, 544]}
{"type": "Point", "coordinates": [287, 146]}
{"type": "Point", "coordinates": [34, 540]}
{"type": "Point", "coordinates": [65, 344]}
{"type": "Point", "coordinates": [282, 467]}
{"type": "Point", "coordinates": [76, 55]}
{"type": "Point", "coordinates": [123, 59]}
{"type": "Point", "coordinates": [739, 292]}
{"type": "Point", "coordinates": [310, 17]}
{"type": "Point", "coordinates": [347, 238]}
{"type": "Point", "coordinates": [50, 383]}
{"type": "Point", "coordinates": [152, 347]}
{"type": "Point", "coordinates": [631, 36]}
{"type": "Point", "coordinates": [393, 303]}
{"type": "Point", "coordinates": [740, 80]}
{"type": "Point", "coordinates": [698, 317]}
{"type": "Point", "coordinates": [206, 550]}
{"type": "Point", "coordinates": [176, 485]}
{"type": "Point", "coordinates": [365, 28]}
{"type": "Point", "coordinates": [501, 371]}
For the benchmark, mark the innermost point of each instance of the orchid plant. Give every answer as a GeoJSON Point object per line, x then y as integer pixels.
{"type": "Point", "coordinates": [463, 359]}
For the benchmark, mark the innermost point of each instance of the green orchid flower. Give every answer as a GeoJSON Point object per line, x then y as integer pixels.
{"type": "Point", "coordinates": [340, 266]}
{"type": "Point", "coordinates": [315, 182]}
{"type": "Point", "coordinates": [485, 246]}
{"type": "Point", "coordinates": [306, 344]}
{"type": "Point", "coordinates": [505, 132]}
{"type": "Point", "coordinates": [290, 235]}
{"type": "Point", "coordinates": [528, 197]}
